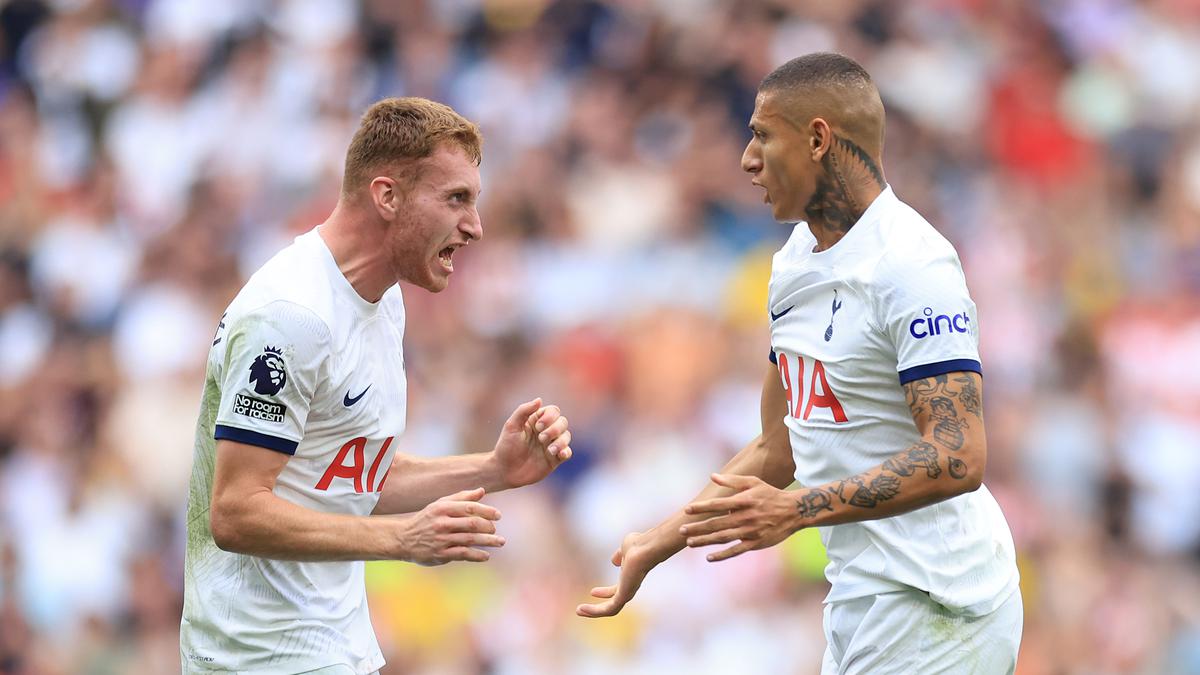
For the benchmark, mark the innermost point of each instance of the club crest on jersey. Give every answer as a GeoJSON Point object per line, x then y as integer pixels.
{"type": "Point", "coordinates": [836, 306]}
{"type": "Point", "coordinates": [267, 372]}
{"type": "Point", "coordinates": [930, 325]}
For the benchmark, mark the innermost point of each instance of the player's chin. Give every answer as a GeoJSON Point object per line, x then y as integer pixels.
{"type": "Point", "coordinates": [439, 277]}
{"type": "Point", "coordinates": [782, 214]}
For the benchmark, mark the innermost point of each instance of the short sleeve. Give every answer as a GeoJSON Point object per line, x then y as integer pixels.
{"type": "Point", "coordinates": [274, 358]}
{"type": "Point", "coordinates": [927, 313]}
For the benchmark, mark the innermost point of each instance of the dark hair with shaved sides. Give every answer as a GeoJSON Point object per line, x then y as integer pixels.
{"type": "Point", "coordinates": [836, 89]}
{"type": "Point", "coordinates": [816, 69]}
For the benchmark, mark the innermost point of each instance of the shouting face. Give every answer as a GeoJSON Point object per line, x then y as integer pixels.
{"type": "Point", "coordinates": [436, 216]}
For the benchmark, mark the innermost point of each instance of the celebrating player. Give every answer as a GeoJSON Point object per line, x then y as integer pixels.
{"type": "Point", "coordinates": [873, 404]}
{"type": "Point", "coordinates": [295, 476]}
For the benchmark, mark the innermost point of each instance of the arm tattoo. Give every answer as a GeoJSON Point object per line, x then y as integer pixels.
{"type": "Point", "coordinates": [881, 488]}
{"type": "Point", "coordinates": [969, 396]}
{"type": "Point", "coordinates": [813, 502]}
{"type": "Point", "coordinates": [922, 455]}
{"type": "Point", "coordinates": [958, 468]}
{"type": "Point", "coordinates": [937, 396]}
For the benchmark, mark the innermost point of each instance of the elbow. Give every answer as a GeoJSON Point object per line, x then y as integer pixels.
{"type": "Point", "coordinates": [226, 533]}
{"type": "Point", "coordinates": [969, 472]}
{"type": "Point", "coordinates": [973, 481]}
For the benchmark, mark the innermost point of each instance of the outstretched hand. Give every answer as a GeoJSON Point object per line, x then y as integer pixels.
{"type": "Point", "coordinates": [533, 442]}
{"type": "Point", "coordinates": [635, 560]}
{"type": "Point", "coordinates": [757, 516]}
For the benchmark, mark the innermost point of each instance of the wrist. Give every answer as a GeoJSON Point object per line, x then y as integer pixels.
{"type": "Point", "coordinates": [662, 541]}
{"type": "Point", "coordinates": [812, 505]}
{"type": "Point", "coordinates": [492, 475]}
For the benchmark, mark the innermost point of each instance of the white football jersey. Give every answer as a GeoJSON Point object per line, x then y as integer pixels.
{"type": "Point", "coordinates": [886, 305]}
{"type": "Point", "coordinates": [303, 365]}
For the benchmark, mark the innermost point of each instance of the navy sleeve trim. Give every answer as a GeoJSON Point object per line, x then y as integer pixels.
{"type": "Point", "coordinates": [940, 368]}
{"type": "Point", "coordinates": [287, 447]}
{"type": "Point", "coordinates": [772, 357]}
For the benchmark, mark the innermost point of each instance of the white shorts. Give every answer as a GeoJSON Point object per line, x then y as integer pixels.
{"type": "Point", "coordinates": [906, 632]}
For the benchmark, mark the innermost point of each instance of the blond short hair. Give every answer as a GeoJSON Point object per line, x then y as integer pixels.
{"type": "Point", "coordinates": [396, 130]}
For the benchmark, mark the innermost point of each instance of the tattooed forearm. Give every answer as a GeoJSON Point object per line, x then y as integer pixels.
{"type": "Point", "coordinates": [881, 488]}
{"type": "Point", "coordinates": [946, 461]}
{"type": "Point", "coordinates": [813, 502]}
{"type": "Point", "coordinates": [922, 455]}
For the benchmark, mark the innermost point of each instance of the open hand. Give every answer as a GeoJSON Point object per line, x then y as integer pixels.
{"type": "Point", "coordinates": [635, 560]}
{"type": "Point", "coordinates": [532, 443]}
{"type": "Point", "coordinates": [757, 516]}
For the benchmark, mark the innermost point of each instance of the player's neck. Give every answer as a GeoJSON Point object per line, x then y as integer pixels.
{"type": "Point", "coordinates": [849, 181]}
{"type": "Point", "coordinates": [357, 253]}
{"type": "Point", "coordinates": [835, 213]}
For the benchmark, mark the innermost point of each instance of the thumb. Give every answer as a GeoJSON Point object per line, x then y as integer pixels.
{"type": "Point", "coordinates": [517, 419]}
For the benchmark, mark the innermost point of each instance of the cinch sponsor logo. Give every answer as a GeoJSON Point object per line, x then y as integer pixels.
{"type": "Point", "coordinates": [258, 409]}
{"type": "Point", "coordinates": [923, 327]}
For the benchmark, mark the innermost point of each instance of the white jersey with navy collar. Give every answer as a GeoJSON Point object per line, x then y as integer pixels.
{"type": "Point", "coordinates": [886, 305]}
{"type": "Point", "coordinates": [302, 365]}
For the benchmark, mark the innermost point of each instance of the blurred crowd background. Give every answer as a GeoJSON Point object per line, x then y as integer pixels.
{"type": "Point", "coordinates": [153, 153]}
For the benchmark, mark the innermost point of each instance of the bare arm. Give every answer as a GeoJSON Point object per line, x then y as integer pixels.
{"type": "Point", "coordinates": [247, 517]}
{"type": "Point", "coordinates": [947, 461]}
{"type": "Point", "coordinates": [533, 442]}
{"type": "Point", "coordinates": [768, 457]}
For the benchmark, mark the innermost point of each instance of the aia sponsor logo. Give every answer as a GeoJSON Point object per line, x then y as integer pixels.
{"type": "Point", "coordinates": [351, 463]}
{"type": "Point", "coordinates": [930, 325]}
{"type": "Point", "coordinates": [818, 394]}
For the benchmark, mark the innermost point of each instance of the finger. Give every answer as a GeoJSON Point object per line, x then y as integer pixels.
{"type": "Point", "coordinates": [604, 591]}
{"type": "Point", "coordinates": [474, 539]}
{"type": "Point", "coordinates": [472, 495]}
{"type": "Point", "coordinates": [714, 524]}
{"type": "Point", "coordinates": [559, 444]}
{"type": "Point", "coordinates": [598, 610]}
{"type": "Point", "coordinates": [565, 454]}
{"type": "Point", "coordinates": [471, 524]}
{"type": "Point", "coordinates": [616, 558]}
{"type": "Point", "coordinates": [555, 429]}
{"type": "Point", "coordinates": [717, 505]}
{"type": "Point", "coordinates": [733, 480]}
{"type": "Point", "coordinates": [462, 553]}
{"type": "Point", "coordinates": [546, 416]}
{"type": "Point", "coordinates": [721, 537]}
{"type": "Point", "coordinates": [521, 415]}
{"type": "Point", "coordinates": [465, 509]}
{"type": "Point", "coordinates": [730, 552]}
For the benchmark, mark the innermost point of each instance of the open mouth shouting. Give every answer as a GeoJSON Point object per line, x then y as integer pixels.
{"type": "Point", "coordinates": [446, 257]}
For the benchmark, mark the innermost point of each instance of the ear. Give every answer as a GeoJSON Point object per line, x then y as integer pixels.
{"type": "Point", "coordinates": [385, 197]}
{"type": "Point", "coordinates": [820, 138]}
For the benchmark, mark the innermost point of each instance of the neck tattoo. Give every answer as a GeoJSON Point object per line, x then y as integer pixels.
{"type": "Point", "coordinates": [835, 205]}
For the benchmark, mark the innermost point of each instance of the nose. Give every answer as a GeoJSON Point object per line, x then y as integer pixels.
{"type": "Point", "coordinates": [472, 225]}
{"type": "Point", "coordinates": [751, 159]}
